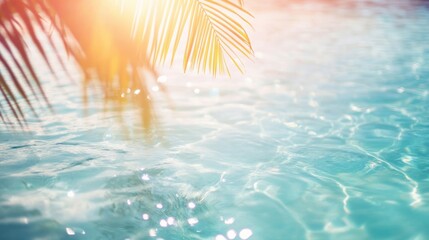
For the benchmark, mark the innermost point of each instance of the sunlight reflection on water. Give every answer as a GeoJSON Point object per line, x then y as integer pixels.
{"type": "Point", "coordinates": [324, 138]}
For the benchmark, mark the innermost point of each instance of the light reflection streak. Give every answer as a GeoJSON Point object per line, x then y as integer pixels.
{"type": "Point", "coordinates": [340, 185]}
{"type": "Point", "coordinates": [414, 193]}
{"type": "Point", "coordinates": [268, 191]}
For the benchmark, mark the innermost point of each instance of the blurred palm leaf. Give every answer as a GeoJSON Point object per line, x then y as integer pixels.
{"type": "Point", "coordinates": [116, 42]}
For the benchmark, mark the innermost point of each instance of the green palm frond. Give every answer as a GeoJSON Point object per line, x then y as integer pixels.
{"type": "Point", "coordinates": [116, 42]}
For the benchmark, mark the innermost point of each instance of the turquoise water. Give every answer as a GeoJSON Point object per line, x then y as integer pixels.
{"type": "Point", "coordinates": [325, 137]}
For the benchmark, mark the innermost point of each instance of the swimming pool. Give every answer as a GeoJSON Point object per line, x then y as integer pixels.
{"type": "Point", "coordinates": [325, 137]}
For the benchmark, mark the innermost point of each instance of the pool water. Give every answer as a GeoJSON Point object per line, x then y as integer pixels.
{"type": "Point", "coordinates": [325, 137]}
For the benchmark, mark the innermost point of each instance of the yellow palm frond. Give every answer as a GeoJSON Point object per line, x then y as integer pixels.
{"type": "Point", "coordinates": [212, 30]}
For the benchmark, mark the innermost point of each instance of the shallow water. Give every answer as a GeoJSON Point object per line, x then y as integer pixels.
{"type": "Point", "coordinates": [325, 137]}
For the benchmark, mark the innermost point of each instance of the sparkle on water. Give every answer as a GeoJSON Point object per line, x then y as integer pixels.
{"type": "Point", "coordinates": [325, 137]}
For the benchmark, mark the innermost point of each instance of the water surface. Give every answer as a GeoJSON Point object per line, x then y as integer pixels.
{"type": "Point", "coordinates": [325, 137]}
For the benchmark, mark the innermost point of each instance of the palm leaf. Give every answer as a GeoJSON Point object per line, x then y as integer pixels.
{"type": "Point", "coordinates": [17, 72]}
{"type": "Point", "coordinates": [215, 32]}
{"type": "Point", "coordinates": [118, 43]}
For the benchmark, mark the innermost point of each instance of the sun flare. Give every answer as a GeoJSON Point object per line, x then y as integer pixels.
{"type": "Point", "coordinates": [119, 43]}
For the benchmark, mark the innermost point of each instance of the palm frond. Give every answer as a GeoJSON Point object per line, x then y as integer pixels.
{"type": "Point", "coordinates": [213, 32]}
{"type": "Point", "coordinates": [15, 65]}
{"type": "Point", "coordinates": [117, 42]}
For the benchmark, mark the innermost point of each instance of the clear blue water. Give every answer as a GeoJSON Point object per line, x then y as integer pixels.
{"type": "Point", "coordinates": [325, 137]}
